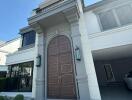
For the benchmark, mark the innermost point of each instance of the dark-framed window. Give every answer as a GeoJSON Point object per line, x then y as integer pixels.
{"type": "Point", "coordinates": [109, 72]}
{"type": "Point", "coordinates": [21, 75]}
{"type": "Point", "coordinates": [28, 38]}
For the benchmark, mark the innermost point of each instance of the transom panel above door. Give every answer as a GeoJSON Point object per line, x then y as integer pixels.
{"type": "Point", "coordinates": [61, 81]}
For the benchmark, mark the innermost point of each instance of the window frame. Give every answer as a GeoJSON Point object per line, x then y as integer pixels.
{"type": "Point", "coordinates": [113, 76]}
{"type": "Point", "coordinates": [29, 32]}
{"type": "Point", "coordinates": [20, 67]}
{"type": "Point", "coordinates": [130, 5]}
{"type": "Point", "coordinates": [113, 9]}
{"type": "Point", "coordinates": [99, 20]}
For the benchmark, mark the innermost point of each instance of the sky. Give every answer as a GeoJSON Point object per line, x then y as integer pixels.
{"type": "Point", "coordinates": [14, 14]}
{"type": "Point", "coordinates": [90, 2]}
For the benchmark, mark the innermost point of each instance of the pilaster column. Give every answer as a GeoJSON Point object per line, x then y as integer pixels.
{"type": "Point", "coordinates": [38, 90]}
{"type": "Point", "coordinates": [86, 75]}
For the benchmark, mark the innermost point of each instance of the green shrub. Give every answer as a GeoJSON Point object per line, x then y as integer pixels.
{"type": "Point", "coordinates": [2, 84]}
{"type": "Point", "coordinates": [7, 98]}
{"type": "Point", "coordinates": [1, 98]}
{"type": "Point", "coordinates": [10, 83]}
{"type": "Point", "coordinates": [19, 97]}
{"type": "Point", "coordinates": [7, 84]}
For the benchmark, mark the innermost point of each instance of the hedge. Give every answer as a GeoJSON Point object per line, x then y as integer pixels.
{"type": "Point", "coordinates": [2, 84]}
{"type": "Point", "coordinates": [8, 84]}
{"type": "Point", "coordinates": [2, 98]}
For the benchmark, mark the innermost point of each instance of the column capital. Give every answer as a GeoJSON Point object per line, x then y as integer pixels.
{"type": "Point", "coordinates": [37, 27]}
{"type": "Point", "coordinates": [72, 15]}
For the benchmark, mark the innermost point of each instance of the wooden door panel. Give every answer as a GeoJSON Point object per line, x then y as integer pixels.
{"type": "Point", "coordinates": [53, 68]}
{"type": "Point", "coordinates": [64, 48]}
{"type": "Point", "coordinates": [65, 58]}
{"type": "Point", "coordinates": [52, 60]}
{"type": "Point", "coordinates": [53, 91]}
{"type": "Point", "coordinates": [53, 80]}
{"type": "Point", "coordinates": [67, 79]}
{"type": "Point", "coordinates": [68, 92]}
{"type": "Point", "coordinates": [61, 82]}
{"type": "Point", "coordinates": [53, 71]}
{"type": "Point", "coordinates": [53, 51]}
{"type": "Point", "coordinates": [66, 68]}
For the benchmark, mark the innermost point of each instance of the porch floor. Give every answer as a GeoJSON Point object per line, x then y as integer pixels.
{"type": "Point", "coordinates": [115, 93]}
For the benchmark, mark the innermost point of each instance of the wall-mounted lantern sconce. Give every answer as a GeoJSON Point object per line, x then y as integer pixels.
{"type": "Point", "coordinates": [38, 61]}
{"type": "Point", "coordinates": [77, 54]}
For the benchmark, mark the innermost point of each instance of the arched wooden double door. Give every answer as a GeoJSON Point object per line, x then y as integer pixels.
{"type": "Point", "coordinates": [61, 81]}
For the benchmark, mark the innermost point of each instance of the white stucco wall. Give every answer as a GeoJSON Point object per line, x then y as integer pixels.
{"type": "Point", "coordinates": [112, 38]}
{"type": "Point", "coordinates": [20, 56]}
{"type": "Point", "coordinates": [11, 46]}
{"type": "Point", "coordinates": [106, 39]}
{"type": "Point", "coordinates": [92, 23]}
{"type": "Point", "coordinates": [8, 48]}
{"type": "Point", "coordinates": [2, 58]}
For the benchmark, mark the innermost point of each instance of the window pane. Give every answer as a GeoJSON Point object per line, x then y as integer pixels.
{"type": "Point", "coordinates": [28, 38]}
{"type": "Point", "coordinates": [21, 75]}
{"type": "Point", "coordinates": [25, 38]}
{"type": "Point", "coordinates": [124, 14]}
{"type": "Point", "coordinates": [107, 20]}
{"type": "Point", "coordinates": [109, 72]}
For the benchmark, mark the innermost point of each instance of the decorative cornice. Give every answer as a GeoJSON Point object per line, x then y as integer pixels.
{"type": "Point", "coordinates": [71, 14]}
{"type": "Point", "coordinates": [58, 7]}
{"type": "Point", "coordinates": [25, 30]}
{"type": "Point", "coordinates": [48, 3]}
{"type": "Point", "coordinates": [37, 27]}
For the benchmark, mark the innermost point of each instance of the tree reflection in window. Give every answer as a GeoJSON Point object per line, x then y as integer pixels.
{"type": "Point", "coordinates": [24, 73]}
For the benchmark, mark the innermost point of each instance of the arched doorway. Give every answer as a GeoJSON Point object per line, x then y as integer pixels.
{"type": "Point", "coordinates": [61, 81]}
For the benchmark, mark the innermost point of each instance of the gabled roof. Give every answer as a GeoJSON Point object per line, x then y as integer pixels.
{"type": "Point", "coordinates": [1, 42]}
{"type": "Point", "coordinates": [10, 41]}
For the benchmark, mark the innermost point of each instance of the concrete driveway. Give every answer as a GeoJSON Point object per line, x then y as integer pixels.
{"type": "Point", "coordinates": [115, 93]}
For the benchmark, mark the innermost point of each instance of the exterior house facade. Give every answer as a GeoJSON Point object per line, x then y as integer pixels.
{"type": "Point", "coordinates": [5, 49]}
{"type": "Point", "coordinates": [8, 48]}
{"type": "Point", "coordinates": [77, 49]}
